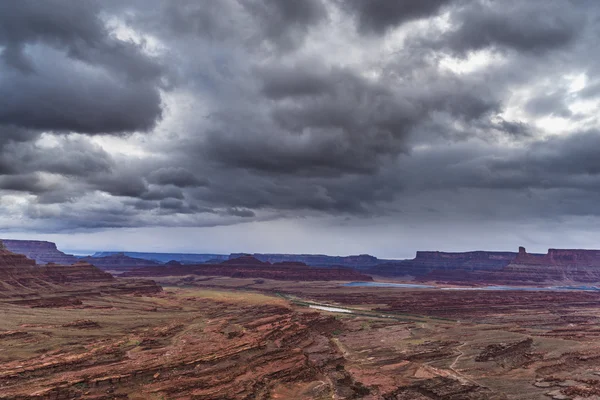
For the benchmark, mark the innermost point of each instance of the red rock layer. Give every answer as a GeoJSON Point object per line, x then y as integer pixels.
{"type": "Point", "coordinates": [21, 277]}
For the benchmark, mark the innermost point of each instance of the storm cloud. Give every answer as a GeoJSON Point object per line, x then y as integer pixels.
{"type": "Point", "coordinates": [159, 115]}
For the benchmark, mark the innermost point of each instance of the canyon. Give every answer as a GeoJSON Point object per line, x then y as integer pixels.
{"type": "Point", "coordinates": [246, 328]}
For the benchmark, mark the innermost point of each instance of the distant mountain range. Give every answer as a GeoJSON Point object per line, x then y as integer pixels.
{"type": "Point", "coordinates": [474, 267]}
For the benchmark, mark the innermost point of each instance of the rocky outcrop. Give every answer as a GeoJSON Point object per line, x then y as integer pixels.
{"type": "Point", "coordinates": [428, 261]}
{"type": "Point", "coordinates": [118, 261]}
{"type": "Point", "coordinates": [20, 277]}
{"type": "Point", "coordinates": [18, 274]}
{"type": "Point", "coordinates": [40, 251]}
{"type": "Point", "coordinates": [361, 261]}
{"type": "Point", "coordinates": [249, 267]}
{"type": "Point", "coordinates": [508, 355]}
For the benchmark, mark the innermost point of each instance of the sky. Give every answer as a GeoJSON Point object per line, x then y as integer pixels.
{"type": "Point", "coordinates": [305, 126]}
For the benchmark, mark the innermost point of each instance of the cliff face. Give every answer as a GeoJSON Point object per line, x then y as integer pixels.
{"type": "Point", "coordinates": [18, 274]}
{"type": "Point", "coordinates": [428, 261]}
{"type": "Point", "coordinates": [20, 277]}
{"type": "Point", "coordinates": [561, 257]}
{"type": "Point", "coordinates": [40, 251]}
{"type": "Point", "coordinates": [555, 267]}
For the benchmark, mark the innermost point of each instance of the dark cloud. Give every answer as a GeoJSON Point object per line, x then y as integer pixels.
{"type": "Point", "coordinates": [377, 16]}
{"type": "Point", "coordinates": [285, 23]}
{"type": "Point", "coordinates": [158, 113]}
{"type": "Point", "coordinates": [549, 104]}
{"type": "Point", "coordinates": [71, 156]}
{"type": "Point", "coordinates": [241, 212]}
{"type": "Point", "coordinates": [511, 25]}
{"type": "Point", "coordinates": [30, 183]}
{"type": "Point", "coordinates": [64, 70]}
{"type": "Point", "coordinates": [176, 176]}
{"type": "Point", "coordinates": [282, 82]}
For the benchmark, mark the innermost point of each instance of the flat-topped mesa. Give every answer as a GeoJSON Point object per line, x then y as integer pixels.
{"type": "Point", "coordinates": [560, 257]}
{"type": "Point", "coordinates": [41, 251]}
{"type": "Point", "coordinates": [428, 261]}
{"type": "Point", "coordinates": [557, 266]}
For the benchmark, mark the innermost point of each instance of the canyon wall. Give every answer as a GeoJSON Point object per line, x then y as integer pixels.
{"type": "Point", "coordinates": [428, 261]}
{"type": "Point", "coordinates": [40, 251]}
{"type": "Point", "coordinates": [21, 278]}
{"type": "Point", "coordinates": [557, 266]}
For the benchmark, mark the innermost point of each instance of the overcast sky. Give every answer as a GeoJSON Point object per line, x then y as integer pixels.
{"type": "Point", "coordinates": [319, 126]}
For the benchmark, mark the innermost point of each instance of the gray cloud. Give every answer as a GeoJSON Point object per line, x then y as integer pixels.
{"type": "Point", "coordinates": [161, 113]}
{"type": "Point", "coordinates": [377, 16]}
{"type": "Point", "coordinates": [64, 70]}
{"type": "Point", "coordinates": [512, 25]}
{"type": "Point", "coordinates": [284, 23]}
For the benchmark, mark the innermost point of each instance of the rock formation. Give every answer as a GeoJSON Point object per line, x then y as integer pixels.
{"type": "Point", "coordinates": [118, 261]}
{"type": "Point", "coordinates": [40, 251]}
{"type": "Point", "coordinates": [361, 261]}
{"type": "Point", "coordinates": [20, 277]}
{"type": "Point", "coordinates": [184, 258]}
{"type": "Point", "coordinates": [250, 267]}
{"type": "Point", "coordinates": [427, 261]}
{"type": "Point", "coordinates": [555, 267]}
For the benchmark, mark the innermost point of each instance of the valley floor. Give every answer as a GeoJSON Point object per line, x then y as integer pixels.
{"type": "Point", "coordinates": [224, 338]}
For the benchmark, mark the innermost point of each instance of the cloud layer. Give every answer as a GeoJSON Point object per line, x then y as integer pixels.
{"type": "Point", "coordinates": [190, 114]}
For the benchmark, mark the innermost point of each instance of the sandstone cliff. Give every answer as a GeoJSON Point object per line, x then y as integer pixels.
{"type": "Point", "coordinates": [21, 278]}
{"type": "Point", "coordinates": [556, 267]}
{"type": "Point", "coordinates": [428, 261]}
{"type": "Point", "coordinates": [40, 251]}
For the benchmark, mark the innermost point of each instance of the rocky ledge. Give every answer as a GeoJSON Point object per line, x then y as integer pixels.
{"type": "Point", "coordinates": [21, 278]}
